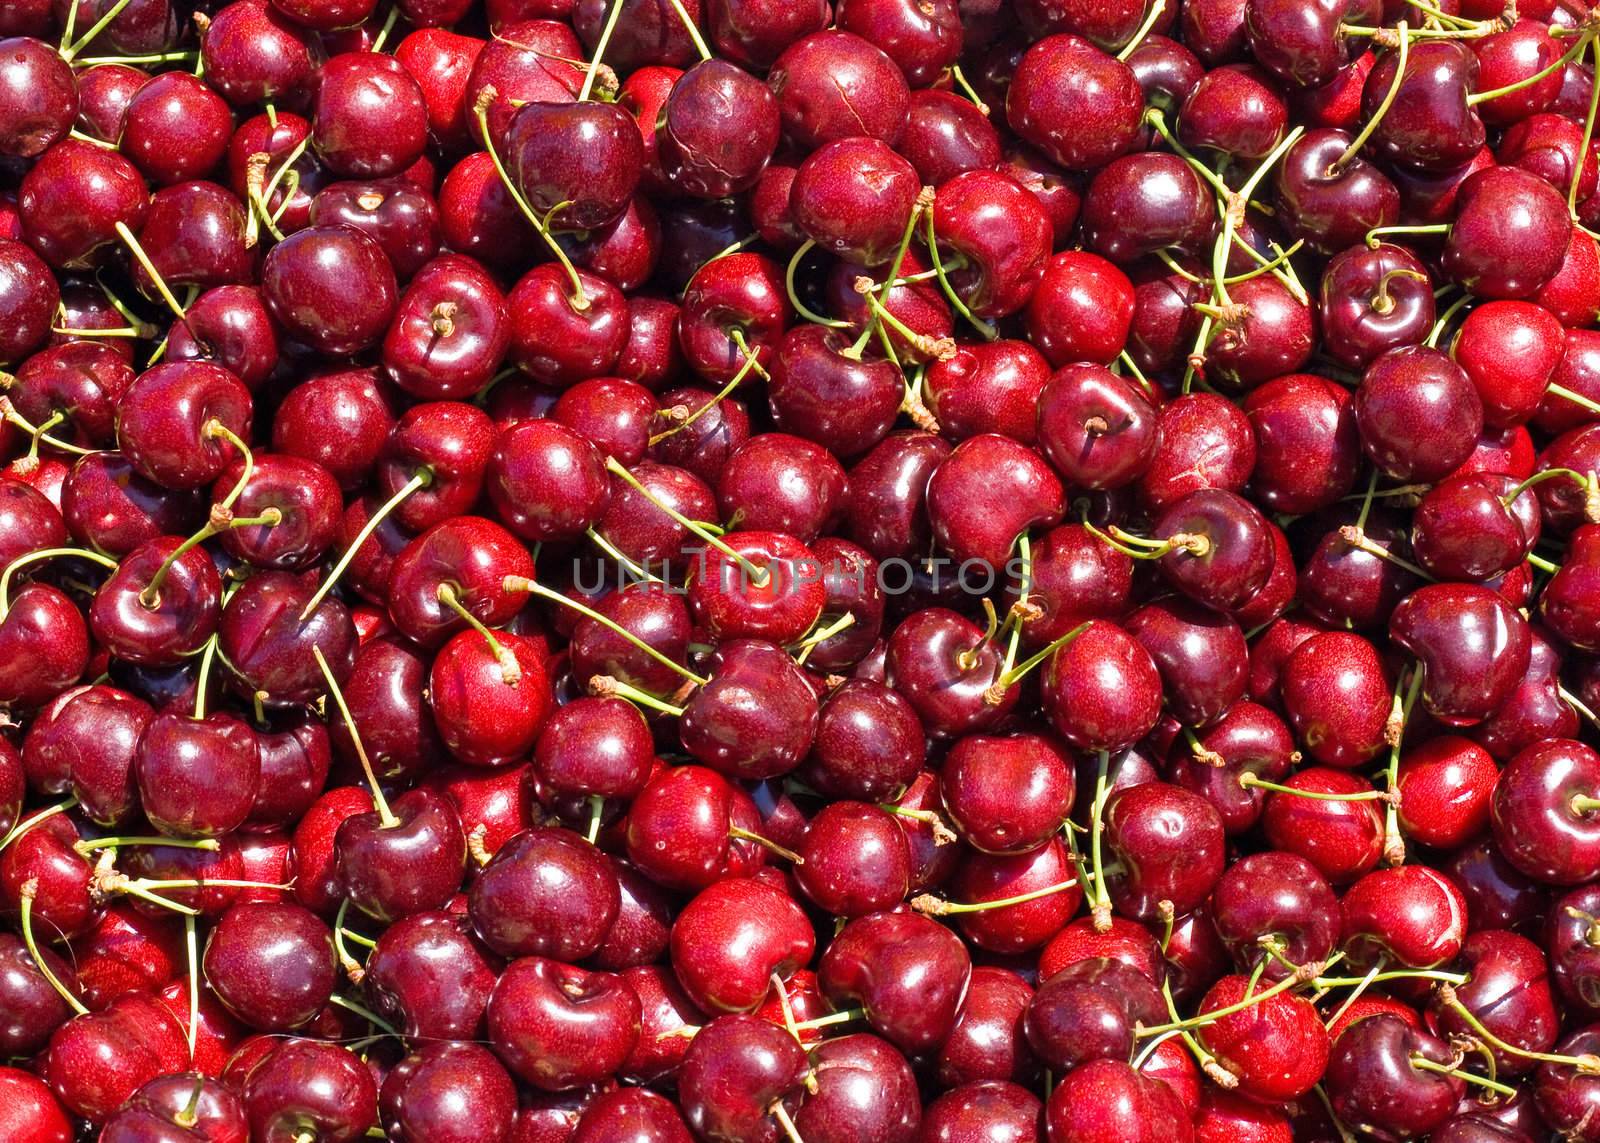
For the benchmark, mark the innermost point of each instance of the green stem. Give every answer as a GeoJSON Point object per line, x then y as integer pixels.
{"type": "Point", "coordinates": [758, 576]}
{"type": "Point", "coordinates": [1250, 782]}
{"type": "Point", "coordinates": [1360, 140]}
{"type": "Point", "coordinates": [1157, 7]}
{"type": "Point", "coordinates": [579, 300]}
{"type": "Point", "coordinates": [43, 554]}
{"type": "Point", "coordinates": [88, 846]}
{"type": "Point", "coordinates": [420, 480]}
{"type": "Point", "coordinates": [510, 669]}
{"type": "Point", "coordinates": [600, 50]}
{"type": "Point", "coordinates": [30, 890]}
{"type": "Point", "coordinates": [533, 587]}
{"type": "Point", "coordinates": [691, 28]}
{"type": "Point", "coordinates": [191, 948]}
{"type": "Point", "coordinates": [1101, 910]}
{"type": "Point", "coordinates": [638, 571]}
{"type": "Point", "coordinates": [749, 363]}
{"type": "Point", "coordinates": [794, 295]}
{"type": "Point", "coordinates": [1576, 398]}
{"type": "Point", "coordinates": [1424, 1064]}
{"type": "Point", "coordinates": [988, 331]}
{"type": "Point", "coordinates": [608, 686]}
{"type": "Point", "coordinates": [365, 1013]}
{"type": "Point", "coordinates": [156, 279]}
{"type": "Point", "coordinates": [386, 816]}
{"type": "Point", "coordinates": [934, 906]}
{"type": "Point", "coordinates": [1588, 131]}
{"type": "Point", "coordinates": [95, 29]}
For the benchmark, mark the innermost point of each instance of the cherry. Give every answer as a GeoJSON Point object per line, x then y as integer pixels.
{"type": "Point", "coordinates": [708, 149]}
{"type": "Point", "coordinates": [73, 199]}
{"type": "Point", "coordinates": [308, 1084]}
{"type": "Point", "coordinates": [271, 965]}
{"type": "Point", "coordinates": [992, 1109]}
{"type": "Point", "coordinates": [1510, 235]}
{"type": "Point", "coordinates": [96, 1062]}
{"type": "Point", "coordinates": [1337, 696]}
{"type": "Point", "coordinates": [1105, 1100]}
{"type": "Point", "coordinates": [1089, 1011]}
{"type": "Point", "coordinates": [1429, 123]}
{"type": "Point", "coordinates": [429, 975]}
{"type": "Point", "coordinates": [1372, 300]}
{"type": "Point", "coordinates": [907, 971]}
{"type": "Point", "coordinates": [1145, 202]}
{"type": "Point", "coordinates": [1278, 902]}
{"type": "Point", "coordinates": [169, 1106]}
{"type": "Point", "coordinates": [1064, 83]}
{"type": "Point", "coordinates": [577, 164]}
{"type": "Point", "coordinates": [1473, 646]}
{"type": "Point", "coordinates": [1405, 389]}
{"type": "Point", "coordinates": [735, 1070]}
{"type": "Point", "coordinates": [1541, 823]}
{"type": "Point", "coordinates": [854, 861]}
{"type": "Point", "coordinates": [1342, 837]}
{"type": "Point", "coordinates": [730, 940]}
{"type": "Point", "coordinates": [422, 1096]}
{"type": "Point", "coordinates": [305, 279]}
{"type": "Point", "coordinates": [1000, 275]}
{"type": "Point", "coordinates": [176, 128]}
{"type": "Point", "coordinates": [541, 1010]}
{"type": "Point", "coordinates": [756, 718]}
{"type": "Point", "coordinates": [1379, 1076]}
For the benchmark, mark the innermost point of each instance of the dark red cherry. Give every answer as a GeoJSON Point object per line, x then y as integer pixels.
{"type": "Point", "coordinates": [1373, 300]}
{"type": "Point", "coordinates": [1418, 413]}
{"type": "Point", "coordinates": [1473, 646]}
{"type": "Point", "coordinates": [41, 99]}
{"type": "Point", "coordinates": [1003, 266]}
{"type": "Point", "coordinates": [577, 164]}
{"type": "Point", "coordinates": [273, 966]}
{"type": "Point", "coordinates": [306, 280]}
{"type": "Point", "coordinates": [399, 216]}
{"type": "Point", "coordinates": [176, 128]}
{"type": "Point", "coordinates": [1510, 234]}
{"type": "Point", "coordinates": [370, 120]}
{"type": "Point", "coordinates": [732, 938]}
{"type": "Point", "coordinates": [1077, 104]}
{"type": "Point", "coordinates": [718, 129]}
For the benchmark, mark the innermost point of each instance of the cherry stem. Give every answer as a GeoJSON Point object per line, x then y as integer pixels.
{"type": "Point", "coordinates": [421, 480]}
{"type": "Point", "coordinates": [1377, 234]}
{"type": "Point", "coordinates": [1234, 205]}
{"type": "Point", "coordinates": [386, 816]}
{"type": "Point", "coordinates": [1587, 1064]}
{"type": "Point", "coordinates": [133, 333]}
{"type": "Point", "coordinates": [1208, 1063]}
{"type": "Point", "coordinates": [758, 576]}
{"type": "Point", "coordinates": [985, 328]}
{"type": "Point", "coordinates": [95, 29]}
{"type": "Point", "coordinates": [942, 834]}
{"type": "Point", "coordinates": [607, 686]}
{"type": "Point", "coordinates": [597, 806]}
{"type": "Point", "coordinates": [1588, 131]}
{"type": "Point", "coordinates": [580, 298]}
{"type": "Point", "coordinates": [880, 314]}
{"type": "Point", "coordinates": [1202, 754]}
{"type": "Point", "coordinates": [1009, 678]}
{"type": "Point", "coordinates": [1299, 977]}
{"type": "Point", "coordinates": [638, 571]}
{"type": "Point", "coordinates": [43, 554]}
{"type": "Point", "coordinates": [814, 640]}
{"type": "Point", "coordinates": [30, 890]}
{"type": "Point", "coordinates": [1424, 1064]}
{"type": "Point", "coordinates": [1366, 983]}
{"type": "Point", "coordinates": [510, 669]}
{"type": "Point", "coordinates": [1134, 547]}
{"type": "Point", "coordinates": [366, 1014]}
{"type": "Point", "coordinates": [778, 1111]}
{"type": "Point", "coordinates": [28, 823]}
{"type": "Point", "coordinates": [1358, 539]}
{"type": "Point", "coordinates": [1576, 398]}
{"type": "Point", "coordinates": [156, 279]}
{"type": "Point", "coordinates": [767, 843]}
{"type": "Point", "coordinates": [689, 26]}
{"type": "Point", "coordinates": [1158, 121]}
{"type": "Point", "coordinates": [794, 295]}
{"type": "Point", "coordinates": [935, 907]}
{"type": "Point", "coordinates": [38, 432]}
{"type": "Point", "coordinates": [1101, 909]}
{"type": "Point", "coordinates": [383, 32]}
{"type": "Point", "coordinates": [1382, 302]}
{"type": "Point", "coordinates": [1584, 804]}
{"type": "Point", "coordinates": [69, 28]}
{"type": "Point", "coordinates": [938, 348]}
{"type": "Point", "coordinates": [751, 361]}
{"type": "Point", "coordinates": [1156, 9]}
{"type": "Point", "coordinates": [958, 78]}
{"type": "Point", "coordinates": [1394, 846]}
{"type": "Point", "coordinates": [1251, 782]}
{"type": "Point", "coordinates": [1540, 477]}
{"type": "Point", "coordinates": [967, 660]}
{"type": "Point", "coordinates": [1572, 53]}
{"type": "Point", "coordinates": [1273, 265]}
{"type": "Point", "coordinates": [1571, 700]}
{"type": "Point", "coordinates": [1327, 982]}
{"type": "Point", "coordinates": [600, 50]}
{"type": "Point", "coordinates": [533, 587]}
{"type": "Point", "coordinates": [352, 967]}
{"type": "Point", "coordinates": [1354, 149]}
{"type": "Point", "coordinates": [831, 1019]}
{"type": "Point", "coordinates": [191, 948]}
{"type": "Point", "coordinates": [87, 847]}
{"type": "Point", "coordinates": [1022, 608]}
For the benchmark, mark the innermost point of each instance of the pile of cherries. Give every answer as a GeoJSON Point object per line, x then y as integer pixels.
{"type": "Point", "coordinates": [766, 571]}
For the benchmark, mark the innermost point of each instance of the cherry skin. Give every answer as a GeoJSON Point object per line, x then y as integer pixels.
{"type": "Point", "coordinates": [1537, 824]}
{"type": "Point", "coordinates": [1510, 234]}
{"type": "Point", "coordinates": [732, 937]}
{"type": "Point", "coordinates": [271, 965]}
{"type": "Point", "coordinates": [1003, 270]}
{"type": "Point", "coordinates": [854, 861]}
{"type": "Point", "coordinates": [429, 975]}
{"type": "Point", "coordinates": [757, 716]}
{"type": "Point", "coordinates": [1088, 1011]}
{"type": "Point", "coordinates": [73, 198]}
{"type": "Point", "coordinates": [309, 1083]}
{"type": "Point", "coordinates": [558, 1027]}
{"type": "Point", "coordinates": [730, 1079]}
{"type": "Point", "coordinates": [422, 1095]}
{"type": "Point", "coordinates": [545, 893]}
{"type": "Point", "coordinates": [176, 128]}
{"type": "Point", "coordinates": [1097, 429]}
{"type": "Point", "coordinates": [906, 970]}
{"type": "Point", "coordinates": [306, 281]}
{"type": "Point", "coordinates": [1276, 897]}
{"type": "Point", "coordinates": [1409, 914]}
{"type": "Point", "coordinates": [1473, 646]}
{"type": "Point", "coordinates": [584, 158]}
{"type": "Point", "coordinates": [1079, 106]}
{"type": "Point", "coordinates": [717, 130]}
{"type": "Point", "coordinates": [391, 870]}
{"type": "Point", "coordinates": [1374, 1083]}
{"type": "Point", "coordinates": [95, 1063]}
{"type": "Point", "coordinates": [1337, 696]}
{"type": "Point", "coordinates": [1107, 1100]}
